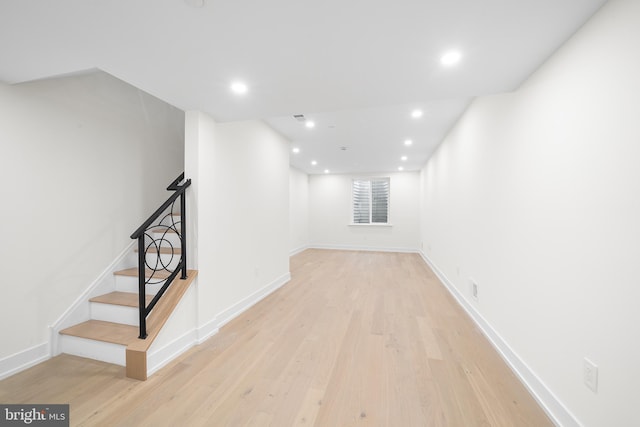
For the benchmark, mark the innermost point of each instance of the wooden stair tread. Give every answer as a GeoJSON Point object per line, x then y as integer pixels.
{"type": "Point", "coordinates": [126, 299]}
{"type": "Point", "coordinates": [133, 272]}
{"type": "Point", "coordinates": [163, 250]}
{"type": "Point", "coordinates": [115, 333]}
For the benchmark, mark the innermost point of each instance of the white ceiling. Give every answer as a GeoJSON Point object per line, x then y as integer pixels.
{"type": "Point", "coordinates": [358, 65]}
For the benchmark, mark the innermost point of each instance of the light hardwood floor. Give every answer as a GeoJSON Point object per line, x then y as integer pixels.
{"type": "Point", "coordinates": [356, 338]}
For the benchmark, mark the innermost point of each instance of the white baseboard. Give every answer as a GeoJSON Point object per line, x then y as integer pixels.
{"type": "Point", "coordinates": [23, 359]}
{"type": "Point", "coordinates": [80, 310]}
{"type": "Point", "coordinates": [363, 248]}
{"type": "Point", "coordinates": [298, 250]}
{"type": "Point", "coordinates": [242, 305]}
{"type": "Point", "coordinates": [207, 330]}
{"type": "Point", "coordinates": [559, 414]}
{"type": "Point", "coordinates": [162, 356]}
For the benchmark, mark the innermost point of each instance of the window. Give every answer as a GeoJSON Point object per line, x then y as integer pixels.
{"type": "Point", "coordinates": [371, 201]}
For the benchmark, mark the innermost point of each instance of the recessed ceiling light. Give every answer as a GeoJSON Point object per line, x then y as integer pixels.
{"type": "Point", "coordinates": [403, 158]}
{"type": "Point", "coordinates": [239, 88]}
{"type": "Point", "coordinates": [327, 171]}
{"type": "Point", "coordinates": [450, 58]}
{"type": "Point", "coordinates": [416, 114]}
{"type": "Point", "coordinates": [309, 124]}
{"type": "Point", "coordinates": [296, 150]}
{"type": "Point", "coordinates": [408, 142]}
{"type": "Point", "coordinates": [313, 162]}
{"type": "Point", "coordinates": [400, 168]}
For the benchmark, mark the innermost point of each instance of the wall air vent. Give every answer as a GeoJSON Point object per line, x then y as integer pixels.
{"type": "Point", "coordinates": [299, 117]}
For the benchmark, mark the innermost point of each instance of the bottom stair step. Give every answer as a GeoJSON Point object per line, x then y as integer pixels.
{"type": "Point", "coordinates": [115, 333]}
{"type": "Point", "coordinates": [100, 340]}
{"type": "Point", "coordinates": [92, 349]}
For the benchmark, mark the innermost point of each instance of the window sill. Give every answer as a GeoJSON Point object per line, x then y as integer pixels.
{"type": "Point", "coordinates": [388, 224]}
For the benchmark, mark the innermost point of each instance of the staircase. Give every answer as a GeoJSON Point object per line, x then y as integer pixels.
{"type": "Point", "coordinates": [112, 334]}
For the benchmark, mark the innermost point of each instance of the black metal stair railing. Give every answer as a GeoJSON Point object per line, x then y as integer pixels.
{"type": "Point", "coordinates": [157, 254]}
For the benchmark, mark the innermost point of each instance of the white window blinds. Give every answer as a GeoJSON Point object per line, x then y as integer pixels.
{"type": "Point", "coordinates": [371, 201]}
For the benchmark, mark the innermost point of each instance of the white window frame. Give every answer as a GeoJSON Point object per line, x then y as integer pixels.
{"type": "Point", "coordinates": [370, 223]}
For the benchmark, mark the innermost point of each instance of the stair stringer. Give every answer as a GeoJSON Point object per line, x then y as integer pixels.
{"type": "Point", "coordinates": [170, 328]}
{"type": "Point", "coordinates": [178, 334]}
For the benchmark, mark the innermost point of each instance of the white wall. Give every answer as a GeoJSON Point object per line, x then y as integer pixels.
{"type": "Point", "coordinates": [536, 195]}
{"type": "Point", "coordinates": [298, 210]}
{"type": "Point", "coordinates": [84, 161]}
{"type": "Point", "coordinates": [330, 214]}
{"type": "Point", "coordinates": [242, 212]}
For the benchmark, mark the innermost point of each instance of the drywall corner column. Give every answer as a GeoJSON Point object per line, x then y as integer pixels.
{"type": "Point", "coordinates": [192, 171]}
{"type": "Point", "coordinates": [199, 134]}
{"type": "Point", "coordinates": [244, 223]}
{"type": "Point", "coordinates": [239, 214]}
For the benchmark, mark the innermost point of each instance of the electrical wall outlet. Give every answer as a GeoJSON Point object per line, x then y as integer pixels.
{"type": "Point", "coordinates": [474, 288]}
{"type": "Point", "coordinates": [590, 374]}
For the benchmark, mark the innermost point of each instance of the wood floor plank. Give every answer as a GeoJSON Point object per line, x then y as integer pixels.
{"type": "Point", "coordinates": [355, 338]}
